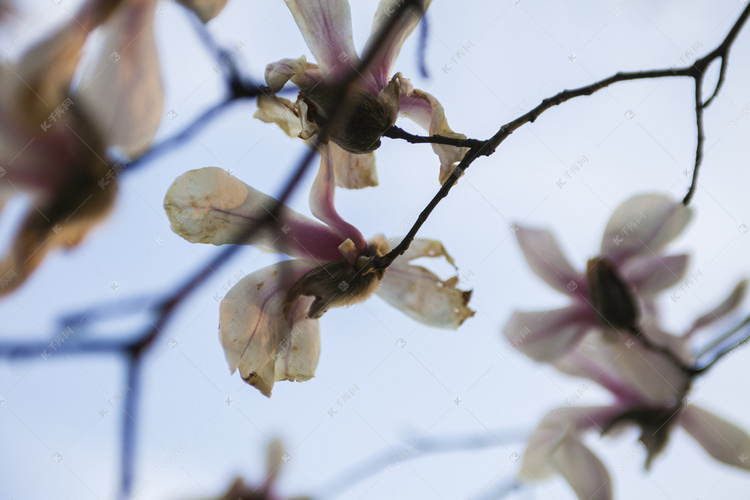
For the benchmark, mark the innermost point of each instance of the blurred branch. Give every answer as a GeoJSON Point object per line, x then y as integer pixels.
{"type": "Point", "coordinates": [417, 447]}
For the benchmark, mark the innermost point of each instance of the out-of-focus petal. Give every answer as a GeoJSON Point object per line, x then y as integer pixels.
{"type": "Point", "coordinates": [721, 439]}
{"type": "Point", "coordinates": [555, 447]}
{"type": "Point", "coordinates": [282, 112]}
{"type": "Point", "coordinates": [583, 470]}
{"type": "Point", "coordinates": [123, 91]}
{"type": "Point", "coordinates": [651, 274]}
{"type": "Point", "coordinates": [322, 196]}
{"type": "Point", "coordinates": [726, 307]}
{"type": "Point", "coordinates": [209, 205]}
{"type": "Point", "coordinates": [428, 113]}
{"type": "Point", "coordinates": [326, 26]}
{"type": "Point", "coordinates": [260, 336]}
{"type": "Point", "coordinates": [546, 335]}
{"type": "Point", "coordinates": [643, 224]}
{"type": "Point", "coordinates": [628, 368]}
{"type": "Point", "coordinates": [388, 52]}
{"type": "Point", "coordinates": [205, 9]}
{"type": "Point", "coordinates": [352, 171]}
{"type": "Point", "coordinates": [60, 219]}
{"type": "Point", "coordinates": [546, 259]}
{"type": "Point", "coordinates": [420, 294]}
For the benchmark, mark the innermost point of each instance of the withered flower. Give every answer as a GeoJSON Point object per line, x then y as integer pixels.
{"type": "Point", "coordinates": [269, 319]}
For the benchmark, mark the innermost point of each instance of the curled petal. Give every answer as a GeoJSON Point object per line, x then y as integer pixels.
{"type": "Point", "coordinates": [280, 72]}
{"type": "Point", "coordinates": [651, 274]}
{"type": "Point", "coordinates": [546, 259]}
{"type": "Point", "coordinates": [428, 113]}
{"type": "Point", "coordinates": [643, 224]}
{"type": "Point", "coordinates": [322, 196]}
{"type": "Point", "coordinates": [263, 337]}
{"type": "Point", "coordinates": [721, 439]}
{"type": "Point", "coordinates": [545, 335]}
{"type": "Point", "coordinates": [326, 26]}
{"type": "Point", "coordinates": [209, 205]}
{"type": "Point", "coordinates": [420, 294]}
{"type": "Point", "coordinates": [205, 9]}
{"type": "Point", "coordinates": [555, 447]}
{"type": "Point", "coordinates": [282, 112]}
{"type": "Point", "coordinates": [726, 307]}
{"type": "Point", "coordinates": [123, 90]}
{"type": "Point", "coordinates": [388, 52]}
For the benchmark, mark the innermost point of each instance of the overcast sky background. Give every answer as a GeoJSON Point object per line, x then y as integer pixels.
{"type": "Point", "coordinates": [488, 62]}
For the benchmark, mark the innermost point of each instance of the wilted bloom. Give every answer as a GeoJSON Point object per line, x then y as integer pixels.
{"type": "Point", "coordinates": [650, 390]}
{"type": "Point", "coordinates": [53, 140]}
{"type": "Point", "coordinates": [371, 106]}
{"type": "Point", "coordinates": [269, 328]}
{"type": "Point", "coordinates": [618, 286]}
{"type": "Point", "coordinates": [240, 490]}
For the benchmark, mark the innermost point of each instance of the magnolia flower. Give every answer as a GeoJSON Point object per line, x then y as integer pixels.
{"type": "Point", "coordinates": [650, 390]}
{"type": "Point", "coordinates": [619, 285]}
{"type": "Point", "coordinates": [370, 107]}
{"type": "Point", "coordinates": [268, 320]}
{"type": "Point", "coordinates": [275, 459]}
{"type": "Point", "coordinates": [53, 147]}
{"type": "Point", "coordinates": [122, 90]}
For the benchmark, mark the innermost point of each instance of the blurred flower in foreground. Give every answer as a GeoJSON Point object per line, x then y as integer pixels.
{"type": "Point", "coordinates": [619, 285]}
{"type": "Point", "coordinates": [269, 328]}
{"type": "Point", "coordinates": [650, 390]}
{"type": "Point", "coordinates": [53, 147]}
{"type": "Point", "coordinates": [240, 490]}
{"type": "Point", "coordinates": [370, 107]}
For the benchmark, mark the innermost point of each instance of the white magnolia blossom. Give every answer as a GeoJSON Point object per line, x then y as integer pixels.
{"type": "Point", "coordinates": [648, 371]}
{"type": "Point", "coordinates": [374, 103]}
{"type": "Point", "coordinates": [122, 89]}
{"type": "Point", "coordinates": [269, 320]}
{"type": "Point", "coordinates": [619, 284]}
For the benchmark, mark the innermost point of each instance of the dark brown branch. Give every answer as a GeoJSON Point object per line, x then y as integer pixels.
{"type": "Point", "coordinates": [700, 139]}
{"type": "Point", "coordinates": [696, 71]}
{"type": "Point", "coordinates": [398, 133]}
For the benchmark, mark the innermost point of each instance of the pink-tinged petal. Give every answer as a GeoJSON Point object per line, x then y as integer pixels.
{"type": "Point", "coordinates": [555, 447]}
{"type": "Point", "coordinates": [388, 52]}
{"type": "Point", "coordinates": [420, 294]}
{"type": "Point", "coordinates": [303, 74]}
{"type": "Point", "coordinates": [630, 370]}
{"type": "Point", "coordinates": [643, 224]}
{"type": "Point", "coordinates": [322, 200]}
{"type": "Point", "coordinates": [428, 113]}
{"type": "Point", "coordinates": [263, 337]}
{"type": "Point", "coordinates": [721, 439]}
{"type": "Point", "coordinates": [546, 259]}
{"type": "Point", "coordinates": [209, 205]}
{"type": "Point", "coordinates": [583, 470]}
{"type": "Point", "coordinates": [352, 171]}
{"type": "Point", "coordinates": [279, 111]}
{"type": "Point", "coordinates": [326, 26]}
{"type": "Point", "coordinates": [123, 91]}
{"type": "Point", "coordinates": [651, 274]}
{"type": "Point", "coordinates": [205, 9]}
{"type": "Point", "coordinates": [546, 335]}
{"type": "Point", "coordinates": [728, 306]}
